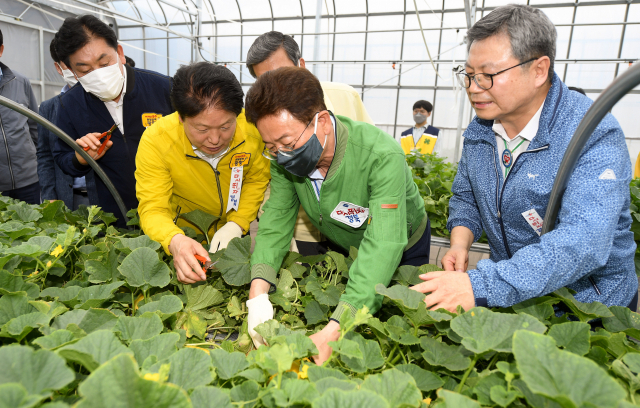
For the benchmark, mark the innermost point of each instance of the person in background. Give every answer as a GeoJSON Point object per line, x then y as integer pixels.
{"type": "Point", "coordinates": [353, 181]}
{"type": "Point", "coordinates": [111, 93]}
{"type": "Point", "coordinates": [130, 62]}
{"type": "Point", "coordinates": [54, 183]}
{"type": "Point", "coordinates": [273, 50]}
{"type": "Point", "coordinates": [18, 138]}
{"type": "Point", "coordinates": [525, 119]}
{"type": "Point", "coordinates": [579, 90]}
{"type": "Point", "coordinates": [204, 156]}
{"type": "Point", "coordinates": [422, 137]}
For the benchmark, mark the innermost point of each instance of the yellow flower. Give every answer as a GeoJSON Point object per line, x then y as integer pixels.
{"type": "Point", "coordinates": [427, 401]}
{"type": "Point", "coordinates": [84, 231]}
{"type": "Point", "coordinates": [303, 374]}
{"type": "Point", "coordinates": [49, 264]}
{"type": "Point", "coordinates": [56, 252]}
{"type": "Point", "coordinates": [34, 273]}
{"type": "Point", "coordinates": [152, 376]}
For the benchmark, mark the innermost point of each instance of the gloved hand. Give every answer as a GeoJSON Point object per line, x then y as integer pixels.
{"type": "Point", "coordinates": [221, 239]}
{"type": "Point", "coordinates": [260, 310]}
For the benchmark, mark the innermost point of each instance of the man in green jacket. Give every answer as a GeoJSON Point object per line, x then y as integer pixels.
{"type": "Point", "coordinates": [353, 182]}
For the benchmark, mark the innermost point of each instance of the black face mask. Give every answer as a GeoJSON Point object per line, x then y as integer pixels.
{"type": "Point", "coordinates": [303, 160]}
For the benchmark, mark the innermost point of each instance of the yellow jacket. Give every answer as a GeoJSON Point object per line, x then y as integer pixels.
{"type": "Point", "coordinates": [169, 174]}
{"type": "Point", "coordinates": [425, 144]}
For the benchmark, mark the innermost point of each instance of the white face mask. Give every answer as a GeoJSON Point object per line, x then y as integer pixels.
{"type": "Point", "coordinates": [105, 83]}
{"type": "Point", "coordinates": [68, 76]}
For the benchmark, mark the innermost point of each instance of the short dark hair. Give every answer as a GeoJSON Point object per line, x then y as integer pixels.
{"type": "Point", "coordinates": [579, 90]}
{"type": "Point", "coordinates": [130, 62]}
{"type": "Point", "coordinates": [291, 89]}
{"type": "Point", "coordinates": [424, 105]}
{"type": "Point", "coordinates": [1, 39]}
{"type": "Point", "coordinates": [76, 32]}
{"type": "Point", "coordinates": [530, 32]}
{"type": "Point", "coordinates": [267, 44]}
{"type": "Point", "coordinates": [52, 51]}
{"type": "Point", "coordinates": [203, 85]}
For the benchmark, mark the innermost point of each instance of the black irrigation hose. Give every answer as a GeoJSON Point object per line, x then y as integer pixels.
{"type": "Point", "coordinates": [605, 102]}
{"type": "Point", "coordinates": [72, 143]}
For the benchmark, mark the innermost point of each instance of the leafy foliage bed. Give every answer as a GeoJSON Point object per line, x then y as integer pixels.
{"type": "Point", "coordinates": [93, 317]}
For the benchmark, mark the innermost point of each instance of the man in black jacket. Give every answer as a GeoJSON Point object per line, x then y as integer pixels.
{"type": "Point", "coordinates": [18, 138]}
{"type": "Point", "coordinates": [110, 93]}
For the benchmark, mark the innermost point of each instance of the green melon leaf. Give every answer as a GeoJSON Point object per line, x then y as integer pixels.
{"type": "Point", "coordinates": [118, 384]}
{"type": "Point", "coordinates": [161, 346]}
{"type": "Point", "coordinates": [210, 397]}
{"type": "Point", "coordinates": [448, 399]}
{"type": "Point", "coordinates": [14, 395]}
{"type": "Point", "coordinates": [189, 368]}
{"type": "Point", "coordinates": [397, 388]}
{"type": "Point", "coordinates": [335, 398]}
{"type": "Point", "coordinates": [13, 284]}
{"type": "Point", "coordinates": [55, 340]}
{"type": "Point", "coordinates": [483, 330]}
{"type": "Point", "coordinates": [371, 354]}
{"type": "Point", "coordinates": [584, 311]}
{"type": "Point", "coordinates": [563, 376]}
{"type": "Point", "coordinates": [245, 394]}
{"type": "Point", "coordinates": [202, 296]}
{"type": "Point", "coordinates": [235, 263]}
{"type": "Point", "coordinates": [39, 372]}
{"type": "Point", "coordinates": [143, 241]}
{"type": "Point", "coordinates": [166, 307]}
{"type": "Point", "coordinates": [142, 267]}
{"type": "Point", "coordinates": [139, 327]}
{"type": "Point", "coordinates": [425, 380]}
{"type": "Point", "coordinates": [228, 365]}
{"type": "Point", "coordinates": [440, 354]}
{"type": "Point", "coordinates": [96, 348]}
{"type": "Point", "coordinates": [623, 320]}
{"type": "Point", "coordinates": [200, 219]}
{"type": "Point", "coordinates": [572, 336]}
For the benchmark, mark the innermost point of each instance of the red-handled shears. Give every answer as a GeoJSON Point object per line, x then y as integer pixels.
{"type": "Point", "coordinates": [206, 265]}
{"type": "Point", "coordinates": [104, 144]}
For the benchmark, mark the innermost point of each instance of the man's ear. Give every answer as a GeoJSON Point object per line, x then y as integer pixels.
{"type": "Point", "coordinates": [121, 57]}
{"type": "Point", "coordinates": [180, 119]}
{"type": "Point", "coordinates": [541, 69]}
{"type": "Point", "coordinates": [301, 63]}
{"type": "Point", "coordinates": [58, 68]}
{"type": "Point", "coordinates": [1, 49]}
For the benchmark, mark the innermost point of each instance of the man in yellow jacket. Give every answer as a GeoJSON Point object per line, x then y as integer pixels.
{"type": "Point", "coordinates": [204, 156]}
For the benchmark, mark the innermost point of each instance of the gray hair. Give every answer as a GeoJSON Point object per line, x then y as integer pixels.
{"type": "Point", "coordinates": [531, 33]}
{"type": "Point", "coordinates": [267, 44]}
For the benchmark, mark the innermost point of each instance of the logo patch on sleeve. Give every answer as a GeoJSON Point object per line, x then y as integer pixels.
{"type": "Point", "coordinates": [389, 206]}
{"type": "Point", "coordinates": [239, 160]}
{"type": "Point", "coordinates": [149, 119]}
{"type": "Point", "coordinates": [608, 174]}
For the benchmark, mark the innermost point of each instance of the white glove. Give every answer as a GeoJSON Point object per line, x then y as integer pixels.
{"type": "Point", "coordinates": [221, 239]}
{"type": "Point", "coordinates": [260, 310]}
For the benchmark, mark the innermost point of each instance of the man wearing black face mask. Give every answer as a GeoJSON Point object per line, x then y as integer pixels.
{"type": "Point", "coordinates": [111, 95]}
{"type": "Point", "coordinates": [421, 137]}
{"type": "Point", "coordinates": [353, 182]}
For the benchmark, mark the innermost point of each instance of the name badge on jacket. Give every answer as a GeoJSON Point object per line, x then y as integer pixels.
{"type": "Point", "coordinates": [350, 214]}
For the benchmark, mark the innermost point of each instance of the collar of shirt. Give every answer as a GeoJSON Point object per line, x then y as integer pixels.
{"type": "Point", "coordinates": [212, 159]}
{"type": "Point", "coordinates": [115, 108]}
{"type": "Point", "coordinates": [315, 174]}
{"type": "Point", "coordinates": [65, 88]}
{"type": "Point", "coordinates": [528, 132]}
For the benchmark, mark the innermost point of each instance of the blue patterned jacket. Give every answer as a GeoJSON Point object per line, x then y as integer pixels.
{"type": "Point", "coordinates": [592, 237]}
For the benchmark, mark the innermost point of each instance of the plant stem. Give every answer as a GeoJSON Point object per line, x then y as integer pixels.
{"type": "Point", "coordinates": [466, 373]}
{"type": "Point", "coordinates": [493, 361]}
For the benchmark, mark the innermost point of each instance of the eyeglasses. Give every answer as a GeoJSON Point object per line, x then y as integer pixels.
{"type": "Point", "coordinates": [288, 150]}
{"type": "Point", "coordinates": [484, 81]}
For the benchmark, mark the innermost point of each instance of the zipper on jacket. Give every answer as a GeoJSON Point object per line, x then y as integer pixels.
{"type": "Point", "coordinates": [217, 173]}
{"type": "Point", "coordinates": [6, 144]}
{"type": "Point", "coordinates": [500, 193]}
{"type": "Point", "coordinates": [319, 210]}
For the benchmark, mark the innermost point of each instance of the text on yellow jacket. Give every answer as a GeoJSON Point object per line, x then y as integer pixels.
{"type": "Point", "coordinates": [170, 175]}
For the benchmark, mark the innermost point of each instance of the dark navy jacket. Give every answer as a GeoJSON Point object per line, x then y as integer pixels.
{"type": "Point", "coordinates": [54, 183]}
{"type": "Point", "coordinates": [81, 113]}
{"type": "Point", "coordinates": [430, 130]}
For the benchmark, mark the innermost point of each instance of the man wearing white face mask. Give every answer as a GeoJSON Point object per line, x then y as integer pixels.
{"type": "Point", "coordinates": [110, 93]}
{"type": "Point", "coordinates": [54, 183]}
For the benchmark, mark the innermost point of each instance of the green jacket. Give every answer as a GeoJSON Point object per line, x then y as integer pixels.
{"type": "Point", "coordinates": [369, 170]}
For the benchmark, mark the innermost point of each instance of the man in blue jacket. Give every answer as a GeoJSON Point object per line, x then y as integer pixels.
{"type": "Point", "coordinates": [110, 93]}
{"type": "Point", "coordinates": [512, 150]}
{"type": "Point", "coordinates": [54, 183]}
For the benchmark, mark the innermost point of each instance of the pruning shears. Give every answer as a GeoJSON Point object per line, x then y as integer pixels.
{"type": "Point", "coordinates": [206, 265]}
{"type": "Point", "coordinates": [108, 135]}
